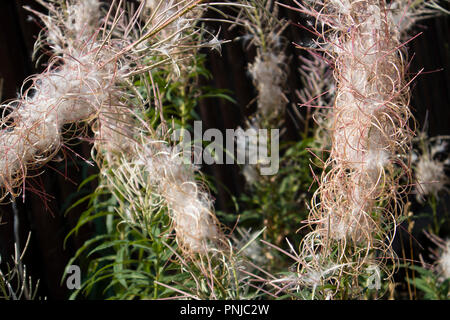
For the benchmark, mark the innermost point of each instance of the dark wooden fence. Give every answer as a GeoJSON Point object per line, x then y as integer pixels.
{"type": "Point", "coordinates": [43, 215]}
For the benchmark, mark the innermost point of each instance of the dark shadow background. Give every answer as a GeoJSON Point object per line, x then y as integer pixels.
{"type": "Point", "coordinates": [43, 213]}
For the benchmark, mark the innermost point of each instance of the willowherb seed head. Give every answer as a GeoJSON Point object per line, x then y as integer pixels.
{"type": "Point", "coordinates": [269, 77]}
{"type": "Point", "coordinates": [69, 29]}
{"type": "Point", "coordinates": [190, 207]}
{"type": "Point", "coordinates": [89, 83]}
{"type": "Point", "coordinates": [440, 254]}
{"type": "Point", "coordinates": [69, 93]}
{"type": "Point", "coordinates": [268, 70]}
{"type": "Point", "coordinates": [84, 84]}
{"type": "Point", "coordinates": [369, 109]}
{"type": "Point", "coordinates": [359, 193]}
{"type": "Point", "coordinates": [429, 167]}
{"type": "Point", "coordinates": [430, 176]}
{"type": "Point", "coordinates": [247, 241]}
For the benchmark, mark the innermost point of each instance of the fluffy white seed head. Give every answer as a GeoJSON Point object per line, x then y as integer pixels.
{"type": "Point", "coordinates": [369, 111]}
{"type": "Point", "coordinates": [72, 92]}
{"type": "Point", "coordinates": [269, 78]}
{"type": "Point", "coordinates": [65, 29]}
{"type": "Point", "coordinates": [431, 177]}
{"type": "Point", "coordinates": [189, 206]}
{"type": "Point", "coordinates": [358, 199]}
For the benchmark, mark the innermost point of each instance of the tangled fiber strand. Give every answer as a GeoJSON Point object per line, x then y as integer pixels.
{"type": "Point", "coordinates": [356, 205]}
